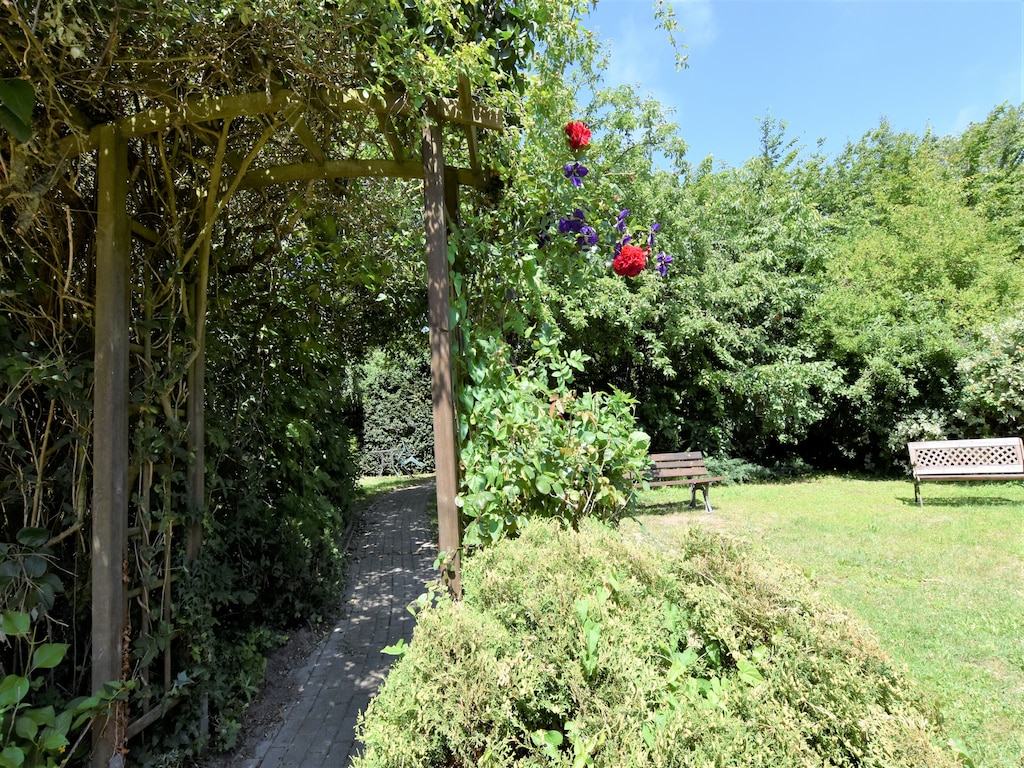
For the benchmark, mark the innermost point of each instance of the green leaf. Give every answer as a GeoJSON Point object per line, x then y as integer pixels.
{"type": "Point", "coordinates": [748, 673]}
{"type": "Point", "coordinates": [54, 741]}
{"type": "Point", "coordinates": [398, 649]}
{"type": "Point", "coordinates": [15, 623]}
{"type": "Point", "coordinates": [13, 689]}
{"type": "Point", "coordinates": [26, 728]}
{"type": "Point", "coordinates": [35, 566]}
{"type": "Point", "coordinates": [547, 741]}
{"type": "Point", "coordinates": [43, 716]}
{"type": "Point", "coordinates": [12, 757]}
{"type": "Point", "coordinates": [17, 100]}
{"type": "Point", "coordinates": [49, 655]}
{"type": "Point", "coordinates": [33, 537]}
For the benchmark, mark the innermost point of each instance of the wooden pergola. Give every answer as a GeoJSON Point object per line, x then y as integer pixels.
{"type": "Point", "coordinates": [284, 117]}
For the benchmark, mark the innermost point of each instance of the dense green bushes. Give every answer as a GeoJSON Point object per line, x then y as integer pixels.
{"type": "Point", "coordinates": [394, 389]}
{"type": "Point", "coordinates": [533, 447]}
{"type": "Point", "coordinates": [588, 648]}
{"type": "Point", "coordinates": [828, 308]}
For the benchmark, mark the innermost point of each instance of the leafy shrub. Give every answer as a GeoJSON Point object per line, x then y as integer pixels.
{"type": "Point", "coordinates": [38, 719]}
{"type": "Point", "coordinates": [742, 471]}
{"type": "Point", "coordinates": [590, 648]}
{"type": "Point", "coordinates": [397, 410]}
{"type": "Point", "coordinates": [992, 399]}
{"type": "Point", "coordinates": [920, 425]}
{"type": "Point", "coordinates": [534, 448]}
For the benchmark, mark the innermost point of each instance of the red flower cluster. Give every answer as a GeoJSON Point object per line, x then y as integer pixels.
{"type": "Point", "coordinates": [578, 134]}
{"type": "Point", "coordinates": [631, 261]}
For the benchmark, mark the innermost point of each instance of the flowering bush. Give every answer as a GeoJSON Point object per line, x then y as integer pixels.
{"type": "Point", "coordinates": [630, 261]}
{"type": "Point", "coordinates": [632, 250]}
{"type": "Point", "coordinates": [575, 172]}
{"type": "Point", "coordinates": [578, 134]}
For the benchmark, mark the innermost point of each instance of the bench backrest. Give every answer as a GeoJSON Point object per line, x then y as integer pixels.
{"type": "Point", "coordinates": [668, 465]}
{"type": "Point", "coordinates": [995, 456]}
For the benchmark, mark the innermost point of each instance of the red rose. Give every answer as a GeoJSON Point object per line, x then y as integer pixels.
{"type": "Point", "coordinates": [578, 134]}
{"type": "Point", "coordinates": [630, 262]}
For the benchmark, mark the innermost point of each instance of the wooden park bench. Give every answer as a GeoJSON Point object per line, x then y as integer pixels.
{"type": "Point", "coordinates": [935, 461]}
{"type": "Point", "coordinates": [686, 468]}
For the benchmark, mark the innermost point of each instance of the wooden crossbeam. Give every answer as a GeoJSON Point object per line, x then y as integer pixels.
{"type": "Point", "coordinates": [449, 110]}
{"type": "Point", "coordinates": [462, 111]}
{"type": "Point", "coordinates": [341, 169]}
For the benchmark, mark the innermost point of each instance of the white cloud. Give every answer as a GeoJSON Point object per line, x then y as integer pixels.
{"type": "Point", "coordinates": [697, 19]}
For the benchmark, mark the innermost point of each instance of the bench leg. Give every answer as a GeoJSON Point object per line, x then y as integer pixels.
{"type": "Point", "coordinates": [693, 496]}
{"type": "Point", "coordinates": [917, 494]}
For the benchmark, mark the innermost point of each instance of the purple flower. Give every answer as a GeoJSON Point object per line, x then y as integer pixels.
{"type": "Point", "coordinates": [622, 242]}
{"type": "Point", "coordinates": [574, 223]}
{"type": "Point", "coordinates": [575, 172]}
{"type": "Point", "coordinates": [620, 224]}
{"type": "Point", "coordinates": [663, 261]}
{"type": "Point", "coordinates": [587, 238]}
{"type": "Point", "coordinates": [654, 228]}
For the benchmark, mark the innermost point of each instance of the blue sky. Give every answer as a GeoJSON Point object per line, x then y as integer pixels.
{"type": "Point", "coordinates": [828, 68]}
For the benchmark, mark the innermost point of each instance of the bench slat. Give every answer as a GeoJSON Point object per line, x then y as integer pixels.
{"type": "Point", "coordinates": [679, 472]}
{"type": "Point", "coordinates": [994, 477]}
{"type": "Point", "coordinates": [970, 469]}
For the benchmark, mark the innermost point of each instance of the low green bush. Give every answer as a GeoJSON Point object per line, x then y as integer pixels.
{"type": "Point", "coordinates": [534, 447]}
{"type": "Point", "coordinates": [589, 648]}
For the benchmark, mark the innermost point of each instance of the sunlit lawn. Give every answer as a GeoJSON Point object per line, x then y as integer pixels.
{"type": "Point", "coordinates": [942, 587]}
{"type": "Point", "coordinates": [372, 487]}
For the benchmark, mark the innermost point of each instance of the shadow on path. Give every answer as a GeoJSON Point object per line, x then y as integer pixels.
{"type": "Point", "coordinates": [391, 558]}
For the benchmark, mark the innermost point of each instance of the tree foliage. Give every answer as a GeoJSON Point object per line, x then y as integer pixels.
{"type": "Point", "coordinates": [282, 289]}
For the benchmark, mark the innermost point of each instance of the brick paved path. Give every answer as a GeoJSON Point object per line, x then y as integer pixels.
{"type": "Point", "coordinates": [391, 558]}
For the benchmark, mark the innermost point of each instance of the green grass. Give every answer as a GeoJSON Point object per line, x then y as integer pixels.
{"type": "Point", "coordinates": [372, 487]}
{"type": "Point", "coordinates": [942, 587]}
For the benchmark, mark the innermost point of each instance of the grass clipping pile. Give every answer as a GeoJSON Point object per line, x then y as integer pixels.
{"type": "Point", "coordinates": [591, 649]}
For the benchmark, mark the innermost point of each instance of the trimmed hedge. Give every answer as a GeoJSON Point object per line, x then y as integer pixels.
{"type": "Point", "coordinates": [593, 648]}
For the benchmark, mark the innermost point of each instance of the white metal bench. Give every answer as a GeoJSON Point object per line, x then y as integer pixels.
{"type": "Point", "coordinates": [999, 458]}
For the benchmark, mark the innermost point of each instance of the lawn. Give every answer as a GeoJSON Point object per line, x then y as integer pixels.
{"type": "Point", "coordinates": [942, 587]}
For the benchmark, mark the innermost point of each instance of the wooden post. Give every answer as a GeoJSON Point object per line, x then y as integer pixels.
{"type": "Point", "coordinates": [445, 444]}
{"type": "Point", "coordinates": [110, 435]}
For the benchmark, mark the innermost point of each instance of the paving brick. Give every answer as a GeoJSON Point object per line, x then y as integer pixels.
{"type": "Point", "coordinates": [390, 561]}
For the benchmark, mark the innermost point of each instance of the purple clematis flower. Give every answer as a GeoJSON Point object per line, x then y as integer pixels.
{"type": "Point", "coordinates": [587, 238]}
{"type": "Point", "coordinates": [663, 261]}
{"type": "Point", "coordinates": [654, 228]}
{"type": "Point", "coordinates": [622, 242]}
{"type": "Point", "coordinates": [573, 223]}
{"type": "Point", "coordinates": [620, 223]}
{"type": "Point", "coordinates": [575, 172]}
